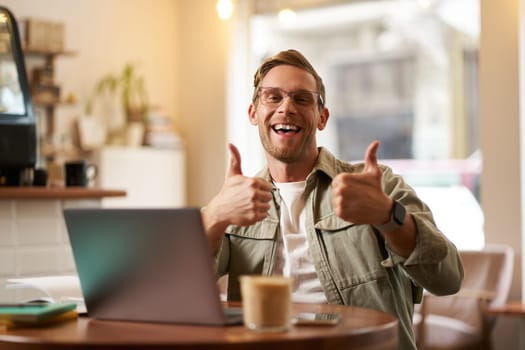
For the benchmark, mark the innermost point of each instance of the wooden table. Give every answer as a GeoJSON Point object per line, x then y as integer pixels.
{"type": "Point", "coordinates": [359, 329]}
{"type": "Point", "coordinates": [513, 308]}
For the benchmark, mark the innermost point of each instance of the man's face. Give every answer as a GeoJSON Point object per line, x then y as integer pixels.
{"type": "Point", "coordinates": [287, 131]}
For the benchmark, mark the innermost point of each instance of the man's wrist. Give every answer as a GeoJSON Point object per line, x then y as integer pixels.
{"type": "Point", "coordinates": [396, 218]}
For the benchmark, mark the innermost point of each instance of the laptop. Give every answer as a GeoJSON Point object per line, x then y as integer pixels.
{"type": "Point", "coordinates": [148, 265]}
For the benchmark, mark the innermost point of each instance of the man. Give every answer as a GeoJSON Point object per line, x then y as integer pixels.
{"type": "Point", "coordinates": [352, 234]}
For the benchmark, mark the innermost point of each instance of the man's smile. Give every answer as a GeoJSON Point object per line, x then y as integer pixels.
{"type": "Point", "coordinates": [285, 128]}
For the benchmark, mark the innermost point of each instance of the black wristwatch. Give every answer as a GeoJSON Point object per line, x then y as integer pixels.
{"type": "Point", "coordinates": [397, 218]}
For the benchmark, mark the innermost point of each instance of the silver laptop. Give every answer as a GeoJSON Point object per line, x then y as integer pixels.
{"type": "Point", "coordinates": [146, 265]}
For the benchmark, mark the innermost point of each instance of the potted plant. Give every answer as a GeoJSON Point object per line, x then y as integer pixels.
{"type": "Point", "coordinates": [129, 88]}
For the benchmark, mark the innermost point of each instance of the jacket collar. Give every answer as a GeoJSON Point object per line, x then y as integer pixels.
{"type": "Point", "coordinates": [326, 163]}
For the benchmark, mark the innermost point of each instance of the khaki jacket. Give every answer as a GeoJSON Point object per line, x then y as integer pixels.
{"type": "Point", "coordinates": [353, 262]}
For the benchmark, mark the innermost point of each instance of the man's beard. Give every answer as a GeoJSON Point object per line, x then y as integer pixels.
{"type": "Point", "coordinates": [286, 154]}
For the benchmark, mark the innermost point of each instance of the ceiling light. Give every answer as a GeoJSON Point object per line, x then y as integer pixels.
{"type": "Point", "coordinates": [425, 4]}
{"type": "Point", "coordinates": [224, 9]}
{"type": "Point", "coordinates": [287, 16]}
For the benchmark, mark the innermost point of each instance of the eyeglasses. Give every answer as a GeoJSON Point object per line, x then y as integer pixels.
{"type": "Point", "coordinates": [274, 97]}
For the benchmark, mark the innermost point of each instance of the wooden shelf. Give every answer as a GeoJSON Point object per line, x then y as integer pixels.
{"type": "Point", "coordinates": [57, 193]}
{"type": "Point", "coordinates": [32, 52]}
{"type": "Point", "coordinates": [53, 104]}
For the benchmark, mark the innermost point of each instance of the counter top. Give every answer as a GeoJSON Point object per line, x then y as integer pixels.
{"type": "Point", "coordinates": [57, 193]}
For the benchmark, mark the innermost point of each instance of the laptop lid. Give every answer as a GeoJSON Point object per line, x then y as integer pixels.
{"type": "Point", "coordinates": [145, 265]}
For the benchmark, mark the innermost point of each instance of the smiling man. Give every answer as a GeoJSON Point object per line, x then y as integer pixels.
{"type": "Point", "coordinates": [352, 234]}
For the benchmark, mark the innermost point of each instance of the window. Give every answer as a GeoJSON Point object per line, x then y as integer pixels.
{"type": "Point", "coordinates": [398, 72]}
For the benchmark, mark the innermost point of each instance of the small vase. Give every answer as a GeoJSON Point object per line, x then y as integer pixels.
{"type": "Point", "coordinates": [135, 134]}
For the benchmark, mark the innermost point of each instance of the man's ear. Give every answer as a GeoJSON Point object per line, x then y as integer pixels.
{"type": "Point", "coordinates": [252, 114]}
{"type": "Point", "coordinates": [323, 119]}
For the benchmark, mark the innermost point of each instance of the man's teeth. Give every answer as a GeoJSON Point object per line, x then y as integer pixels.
{"type": "Point", "coordinates": [285, 127]}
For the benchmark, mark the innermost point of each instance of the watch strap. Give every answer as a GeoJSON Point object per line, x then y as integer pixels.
{"type": "Point", "coordinates": [397, 218]}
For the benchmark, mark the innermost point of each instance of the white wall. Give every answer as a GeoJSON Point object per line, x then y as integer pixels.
{"type": "Point", "coordinates": [34, 241]}
{"type": "Point", "coordinates": [500, 140]}
{"type": "Point", "coordinates": [203, 50]}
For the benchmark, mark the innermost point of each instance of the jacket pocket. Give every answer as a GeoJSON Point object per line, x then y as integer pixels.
{"type": "Point", "coordinates": [352, 252]}
{"type": "Point", "coordinates": [374, 293]}
{"type": "Point", "coordinates": [265, 229]}
{"type": "Point", "coordinates": [251, 251]}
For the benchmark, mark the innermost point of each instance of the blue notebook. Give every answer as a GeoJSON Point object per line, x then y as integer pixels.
{"type": "Point", "coordinates": [34, 312]}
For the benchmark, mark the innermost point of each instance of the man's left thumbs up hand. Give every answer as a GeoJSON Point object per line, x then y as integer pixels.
{"type": "Point", "coordinates": [359, 197]}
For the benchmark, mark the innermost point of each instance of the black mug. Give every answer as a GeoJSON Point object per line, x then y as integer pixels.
{"type": "Point", "coordinates": [79, 173]}
{"type": "Point", "coordinates": [39, 177]}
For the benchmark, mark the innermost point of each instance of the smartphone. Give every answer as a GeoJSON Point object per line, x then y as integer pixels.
{"type": "Point", "coordinates": [316, 319]}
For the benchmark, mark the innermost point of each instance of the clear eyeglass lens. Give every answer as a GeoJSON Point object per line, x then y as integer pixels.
{"type": "Point", "coordinates": [275, 96]}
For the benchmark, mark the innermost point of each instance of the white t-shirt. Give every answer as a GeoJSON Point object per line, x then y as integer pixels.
{"type": "Point", "coordinates": [293, 258]}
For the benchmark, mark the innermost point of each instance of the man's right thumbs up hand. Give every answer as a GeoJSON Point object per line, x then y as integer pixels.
{"type": "Point", "coordinates": [235, 161]}
{"type": "Point", "coordinates": [241, 201]}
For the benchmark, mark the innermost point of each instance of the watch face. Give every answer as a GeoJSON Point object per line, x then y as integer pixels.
{"type": "Point", "coordinates": [399, 213]}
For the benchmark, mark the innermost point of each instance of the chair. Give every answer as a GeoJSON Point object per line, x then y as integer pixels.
{"type": "Point", "coordinates": [459, 321]}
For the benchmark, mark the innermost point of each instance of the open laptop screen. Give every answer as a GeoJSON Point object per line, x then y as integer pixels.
{"type": "Point", "coordinates": [145, 265]}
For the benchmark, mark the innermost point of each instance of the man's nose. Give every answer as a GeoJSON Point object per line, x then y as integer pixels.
{"type": "Point", "coordinates": [287, 103]}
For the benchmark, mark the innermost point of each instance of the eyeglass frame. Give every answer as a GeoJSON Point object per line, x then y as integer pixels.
{"type": "Point", "coordinates": [290, 94]}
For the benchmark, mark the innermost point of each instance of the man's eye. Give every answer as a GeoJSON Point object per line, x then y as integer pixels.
{"type": "Point", "coordinates": [274, 98]}
{"type": "Point", "coordinates": [303, 99]}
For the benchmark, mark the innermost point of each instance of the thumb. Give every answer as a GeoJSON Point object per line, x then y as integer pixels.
{"type": "Point", "coordinates": [371, 157]}
{"type": "Point", "coordinates": [234, 167]}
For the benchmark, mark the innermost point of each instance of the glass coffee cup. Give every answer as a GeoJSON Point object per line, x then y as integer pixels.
{"type": "Point", "coordinates": [266, 302]}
